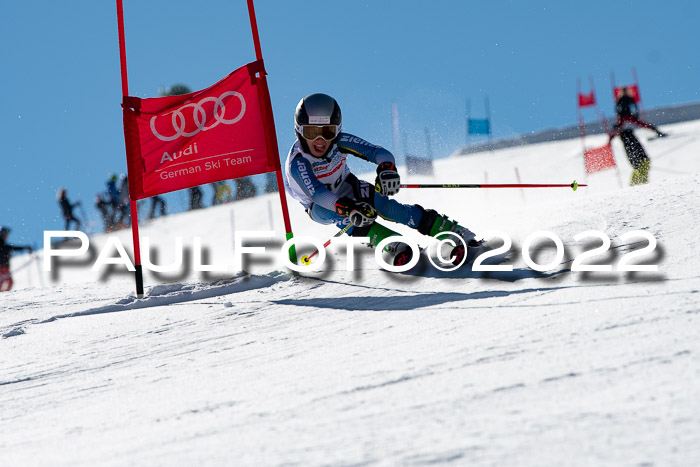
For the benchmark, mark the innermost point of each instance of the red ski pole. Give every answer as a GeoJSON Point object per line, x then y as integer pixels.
{"type": "Point", "coordinates": [306, 260]}
{"type": "Point", "coordinates": [573, 185]}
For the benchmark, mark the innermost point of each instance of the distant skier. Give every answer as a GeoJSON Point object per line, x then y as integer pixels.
{"type": "Point", "coordinates": [318, 177]}
{"type": "Point", "coordinates": [6, 250]}
{"type": "Point", "coordinates": [628, 112]}
{"type": "Point", "coordinates": [67, 209]}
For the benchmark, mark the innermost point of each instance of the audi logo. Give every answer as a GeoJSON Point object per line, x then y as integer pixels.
{"type": "Point", "coordinates": [179, 122]}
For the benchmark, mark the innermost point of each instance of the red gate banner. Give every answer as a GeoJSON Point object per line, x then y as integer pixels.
{"type": "Point", "coordinates": [586, 100]}
{"type": "Point", "coordinates": [598, 159]}
{"type": "Point", "coordinates": [178, 142]}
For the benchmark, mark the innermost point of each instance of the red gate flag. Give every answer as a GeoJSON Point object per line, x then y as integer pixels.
{"type": "Point", "coordinates": [598, 159]}
{"type": "Point", "coordinates": [215, 134]}
{"type": "Point", "coordinates": [586, 100]}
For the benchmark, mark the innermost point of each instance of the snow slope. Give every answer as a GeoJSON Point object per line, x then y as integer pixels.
{"type": "Point", "coordinates": [368, 367]}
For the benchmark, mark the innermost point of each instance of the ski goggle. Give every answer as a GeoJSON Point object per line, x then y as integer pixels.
{"type": "Point", "coordinates": [327, 132]}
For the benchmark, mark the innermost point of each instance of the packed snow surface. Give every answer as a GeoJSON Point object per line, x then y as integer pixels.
{"type": "Point", "coordinates": [260, 366]}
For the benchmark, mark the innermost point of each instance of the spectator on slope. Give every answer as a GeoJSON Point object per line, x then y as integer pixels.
{"type": "Point", "coordinates": [103, 207]}
{"type": "Point", "coordinates": [222, 193]}
{"type": "Point", "coordinates": [270, 183]}
{"type": "Point", "coordinates": [123, 212]}
{"type": "Point", "coordinates": [195, 198]}
{"type": "Point", "coordinates": [112, 197]}
{"type": "Point", "coordinates": [6, 250]}
{"type": "Point", "coordinates": [628, 112]}
{"type": "Point", "coordinates": [318, 177]}
{"type": "Point", "coordinates": [67, 209]}
{"type": "Point", "coordinates": [157, 202]}
{"type": "Point", "coordinates": [245, 188]}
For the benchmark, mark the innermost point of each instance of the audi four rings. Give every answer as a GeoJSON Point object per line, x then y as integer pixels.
{"type": "Point", "coordinates": [200, 116]}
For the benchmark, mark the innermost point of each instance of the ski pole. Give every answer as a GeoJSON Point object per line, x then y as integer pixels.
{"type": "Point", "coordinates": [306, 260]}
{"type": "Point", "coordinates": [573, 185]}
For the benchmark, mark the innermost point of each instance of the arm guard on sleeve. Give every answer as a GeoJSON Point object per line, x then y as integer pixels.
{"type": "Point", "coordinates": [303, 175]}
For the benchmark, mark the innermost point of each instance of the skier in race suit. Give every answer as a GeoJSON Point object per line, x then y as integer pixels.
{"type": "Point", "coordinates": [317, 176]}
{"type": "Point", "coordinates": [628, 112]}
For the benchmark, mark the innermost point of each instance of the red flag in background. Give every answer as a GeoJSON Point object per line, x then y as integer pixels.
{"type": "Point", "coordinates": [178, 142]}
{"type": "Point", "coordinates": [586, 100]}
{"type": "Point", "coordinates": [598, 159]}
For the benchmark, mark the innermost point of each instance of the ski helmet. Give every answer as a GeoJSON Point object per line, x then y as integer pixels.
{"type": "Point", "coordinates": [317, 115]}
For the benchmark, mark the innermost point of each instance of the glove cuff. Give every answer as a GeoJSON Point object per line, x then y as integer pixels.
{"type": "Point", "coordinates": [385, 166]}
{"type": "Point", "coordinates": [343, 206]}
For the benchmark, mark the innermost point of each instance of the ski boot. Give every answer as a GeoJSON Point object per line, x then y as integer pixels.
{"type": "Point", "coordinates": [432, 224]}
{"type": "Point", "coordinates": [399, 252]}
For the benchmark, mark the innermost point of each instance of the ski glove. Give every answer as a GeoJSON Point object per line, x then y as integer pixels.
{"type": "Point", "coordinates": [388, 180]}
{"type": "Point", "coordinates": [360, 213]}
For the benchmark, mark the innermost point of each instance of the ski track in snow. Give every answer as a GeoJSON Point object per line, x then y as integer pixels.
{"type": "Point", "coordinates": [369, 367]}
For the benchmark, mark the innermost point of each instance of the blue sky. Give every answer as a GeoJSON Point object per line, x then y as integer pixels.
{"type": "Point", "coordinates": [60, 119]}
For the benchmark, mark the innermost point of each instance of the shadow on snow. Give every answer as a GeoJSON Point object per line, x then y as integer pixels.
{"type": "Point", "coordinates": [403, 302]}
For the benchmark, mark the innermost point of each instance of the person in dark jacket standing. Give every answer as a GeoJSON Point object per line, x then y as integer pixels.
{"type": "Point", "coordinates": [67, 209]}
{"type": "Point", "coordinates": [123, 212]}
{"type": "Point", "coordinates": [157, 201]}
{"type": "Point", "coordinates": [103, 207]}
{"type": "Point", "coordinates": [628, 112]}
{"type": "Point", "coordinates": [6, 250]}
{"type": "Point", "coordinates": [195, 198]}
